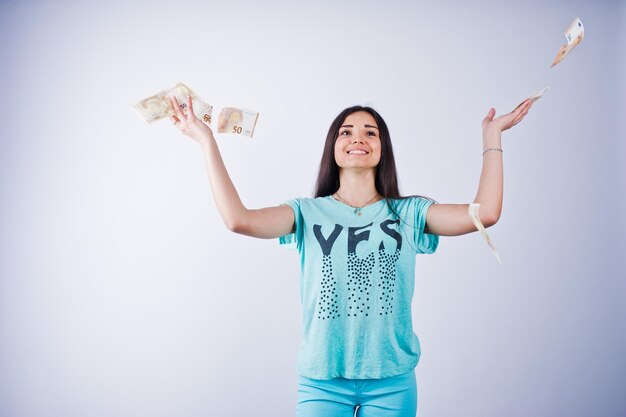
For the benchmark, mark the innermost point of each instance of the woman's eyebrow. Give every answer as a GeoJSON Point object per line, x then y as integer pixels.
{"type": "Point", "coordinates": [364, 126]}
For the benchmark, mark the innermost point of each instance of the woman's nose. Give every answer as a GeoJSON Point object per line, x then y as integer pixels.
{"type": "Point", "coordinates": [356, 139]}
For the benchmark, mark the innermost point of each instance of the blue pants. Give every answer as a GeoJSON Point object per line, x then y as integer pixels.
{"type": "Point", "coordinates": [395, 396]}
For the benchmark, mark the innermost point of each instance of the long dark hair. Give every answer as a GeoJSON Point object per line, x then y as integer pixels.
{"type": "Point", "coordinates": [386, 180]}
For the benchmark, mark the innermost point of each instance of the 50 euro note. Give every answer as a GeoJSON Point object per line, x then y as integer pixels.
{"type": "Point", "coordinates": [574, 34]}
{"type": "Point", "coordinates": [473, 213]}
{"type": "Point", "coordinates": [237, 121]}
{"type": "Point", "coordinates": [159, 106]}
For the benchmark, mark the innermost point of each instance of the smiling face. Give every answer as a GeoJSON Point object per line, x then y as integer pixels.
{"type": "Point", "coordinates": [358, 143]}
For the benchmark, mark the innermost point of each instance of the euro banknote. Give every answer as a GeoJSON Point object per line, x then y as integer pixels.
{"type": "Point", "coordinates": [159, 106]}
{"type": "Point", "coordinates": [473, 213]}
{"type": "Point", "coordinates": [237, 121]}
{"type": "Point", "coordinates": [574, 34]}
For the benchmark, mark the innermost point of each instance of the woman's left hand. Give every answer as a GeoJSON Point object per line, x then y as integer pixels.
{"type": "Point", "coordinates": [506, 121]}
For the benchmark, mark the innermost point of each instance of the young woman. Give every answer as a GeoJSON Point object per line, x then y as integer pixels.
{"type": "Point", "coordinates": [357, 240]}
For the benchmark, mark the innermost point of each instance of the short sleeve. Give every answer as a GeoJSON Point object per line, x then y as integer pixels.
{"type": "Point", "coordinates": [293, 240]}
{"type": "Point", "coordinates": [424, 242]}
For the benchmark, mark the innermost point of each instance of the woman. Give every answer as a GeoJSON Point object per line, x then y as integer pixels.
{"type": "Point", "coordinates": [357, 239]}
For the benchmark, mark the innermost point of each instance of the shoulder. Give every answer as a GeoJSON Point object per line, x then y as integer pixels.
{"type": "Point", "coordinates": [308, 202]}
{"type": "Point", "coordinates": [410, 205]}
{"type": "Point", "coordinates": [410, 200]}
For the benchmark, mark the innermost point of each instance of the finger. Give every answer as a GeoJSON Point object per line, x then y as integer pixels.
{"type": "Point", "coordinates": [522, 105]}
{"type": "Point", "coordinates": [529, 104]}
{"type": "Point", "coordinates": [520, 108]}
{"type": "Point", "coordinates": [521, 116]}
{"type": "Point", "coordinates": [174, 120]}
{"type": "Point", "coordinates": [490, 114]}
{"type": "Point", "coordinates": [190, 104]}
{"type": "Point", "coordinates": [179, 112]}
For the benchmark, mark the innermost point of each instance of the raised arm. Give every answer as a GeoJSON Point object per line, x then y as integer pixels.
{"type": "Point", "coordinates": [266, 223]}
{"type": "Point", "coordinates": [453, 219]}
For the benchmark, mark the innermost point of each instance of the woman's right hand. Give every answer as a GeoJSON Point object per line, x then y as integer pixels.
{"type": "Point", "coordinates": [189, 124]}
{"type": "Point", "coordinates": [265, 223]}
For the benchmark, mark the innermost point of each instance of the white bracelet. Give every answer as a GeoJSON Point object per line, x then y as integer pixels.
{"type": "Point", "coordinates": [492, 149]}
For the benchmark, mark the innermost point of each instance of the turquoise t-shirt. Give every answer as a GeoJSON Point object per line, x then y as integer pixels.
{"type": "Point", "coordinates": [356, 285]}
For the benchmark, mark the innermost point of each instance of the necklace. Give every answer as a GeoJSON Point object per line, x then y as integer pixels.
{"type": "Point", "coordinates": [357, 209]}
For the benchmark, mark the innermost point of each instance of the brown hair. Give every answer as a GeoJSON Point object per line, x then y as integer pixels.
{"type": "Point", "coordinates": [386, 179]}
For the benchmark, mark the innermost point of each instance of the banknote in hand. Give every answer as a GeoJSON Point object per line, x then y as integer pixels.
{"type": "Point", "coordinates": [237, 121]}
{"type": "Point", "coordinates": [159, 106]}
{"type": "Point", "coordinates": [574, 35]}
{"type": "Point", "coordinates": [473, 213]}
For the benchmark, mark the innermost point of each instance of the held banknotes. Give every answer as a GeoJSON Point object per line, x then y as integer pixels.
{"type": "Point", "coordinates": [574, 35]}
{"type": "Point", "coordinates": [473, 213]}
{"type": "Point", "coordinates": [237, 121]}
{"type": "Point", "coordinates": [159, 105]}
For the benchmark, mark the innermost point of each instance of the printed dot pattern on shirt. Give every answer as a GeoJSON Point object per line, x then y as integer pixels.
{"type": "Point", "coordinates": [327, 305]}
{"type": "Point", "coordinates": [359, 284]}
{"type": "Point", "coordinates": [387, 283]}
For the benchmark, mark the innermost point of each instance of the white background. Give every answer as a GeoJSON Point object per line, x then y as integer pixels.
{"type": "Point", "coordinates": [123, 294]}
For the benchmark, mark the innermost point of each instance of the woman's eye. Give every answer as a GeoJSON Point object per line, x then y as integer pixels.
{"type": "Point", "coordinates": [371, 133]}
{"type": "Point", "coordinates": [345, 132]}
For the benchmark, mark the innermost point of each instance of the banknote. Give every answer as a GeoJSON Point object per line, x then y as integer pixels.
{"type": "Point", "coordinates": [159, 106]}
{"type": "Point", "coordinates": [574, 35]}
{"type": "Point", "coordinates": [535, 96]}
{"type": "Point", "coordinates": [237, 121]}
{"type": "Point", "coordinates": [473, 213]}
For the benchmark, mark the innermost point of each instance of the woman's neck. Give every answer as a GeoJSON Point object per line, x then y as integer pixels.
{"type": "Point", "coordinates": [358, 187]}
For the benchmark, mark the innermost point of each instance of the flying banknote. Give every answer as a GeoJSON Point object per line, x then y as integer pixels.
{"type": "Point", "coordinates": [473, 213]}
{"type": "Point", "coordinates": [574, 34]}
{"type": "Point", "coordinates": [237, 121]}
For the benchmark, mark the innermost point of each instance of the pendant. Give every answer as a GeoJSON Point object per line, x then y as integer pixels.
{"type": "Point", "coordinates": [357, 211]}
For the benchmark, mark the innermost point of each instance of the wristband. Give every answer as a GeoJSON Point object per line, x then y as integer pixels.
{"type": "Point", "coordinates": [492, 149]}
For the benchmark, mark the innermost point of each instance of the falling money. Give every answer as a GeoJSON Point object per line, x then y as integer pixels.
{"type": "Point", "coordinates": [574, 35]}
{"type": "Point", "coordinates": [237, 121]}
{"type": "Point", "coordinates": [473, 213]}
{"type": "Point", "coordinates": [159, 105]}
